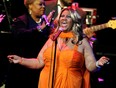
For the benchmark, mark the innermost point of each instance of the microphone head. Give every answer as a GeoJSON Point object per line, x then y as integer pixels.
{"type": "Point", "coordinates": [55, 36]}
{"type": "Point", "coordinates": [44, 16]}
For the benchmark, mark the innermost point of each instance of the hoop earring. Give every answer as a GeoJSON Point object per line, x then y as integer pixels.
{"type": "Point", "coordinates": [30, 12]}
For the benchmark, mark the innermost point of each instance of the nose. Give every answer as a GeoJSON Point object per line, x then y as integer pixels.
{"type": "Point", "coordinates": [43, 5]}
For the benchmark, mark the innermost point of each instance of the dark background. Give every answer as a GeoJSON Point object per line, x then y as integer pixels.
{"type": "Point", "coordinates": [104, 45]}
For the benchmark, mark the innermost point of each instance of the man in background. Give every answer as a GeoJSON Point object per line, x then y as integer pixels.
{"type": "Point", "coordinates": [57, 5]}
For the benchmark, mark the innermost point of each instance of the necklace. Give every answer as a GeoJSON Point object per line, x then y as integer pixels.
{"type": "Point", "coordinates": [38, 22]}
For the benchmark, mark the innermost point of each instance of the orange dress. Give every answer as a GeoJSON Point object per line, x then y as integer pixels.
{"type": "Point", "coordinates": [69, 71]}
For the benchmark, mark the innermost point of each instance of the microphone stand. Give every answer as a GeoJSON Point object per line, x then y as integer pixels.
{"type": "Point", "coordinates": [54, 60]}
{"type": "Point", "coordinates": [7, 15]}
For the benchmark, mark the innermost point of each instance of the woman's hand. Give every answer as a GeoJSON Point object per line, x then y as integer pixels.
{"type": "Point", "coordinates": [47, 21]}
{"type": "Point", "coordinates": [14, 59]}
{"type": "Point", "coordinates": [103, 60]}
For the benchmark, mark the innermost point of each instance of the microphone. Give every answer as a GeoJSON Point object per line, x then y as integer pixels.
{"type": "Point", "coordinates": [46, 20]}
{"type": "Point", "coordinates": [52, 13]}
{"type": "Point", "coordinates": [55, 36]}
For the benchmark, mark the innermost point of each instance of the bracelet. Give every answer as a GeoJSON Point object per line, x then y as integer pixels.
{"type": "Point", "coordinates": [21, 60]}
{"type": "Point", "coordinates": [97, 65]}
{"type": "Point", "coordinates": [39, 29]}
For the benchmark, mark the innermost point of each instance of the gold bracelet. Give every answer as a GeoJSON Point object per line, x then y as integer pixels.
{"type": "Point", "coordinates": [39, 29]}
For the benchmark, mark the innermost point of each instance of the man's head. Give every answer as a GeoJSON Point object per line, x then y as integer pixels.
{"type": "Point", "coordinates": [66, 2]}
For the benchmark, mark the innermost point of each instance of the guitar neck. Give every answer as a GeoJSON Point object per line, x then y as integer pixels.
{"type": "Point", "coordinates": [89, 31]}
{"type": "Point", "coordinates": [98, 27]}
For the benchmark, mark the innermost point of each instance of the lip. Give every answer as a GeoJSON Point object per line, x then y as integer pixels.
{"type": "Point", "coordinates": [42, 11]}
{"type": "Point", "coordinates": [64, 25]}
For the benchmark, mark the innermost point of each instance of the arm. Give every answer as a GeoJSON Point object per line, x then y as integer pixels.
{"type": "Point", "coordinates": [22, 26]}
{"type": "Point", "coordinates": [33, 63]}
{"type": "Point", "coordinates": [90, 60]}
{"type": "Point", "coordinates": [25, 24]}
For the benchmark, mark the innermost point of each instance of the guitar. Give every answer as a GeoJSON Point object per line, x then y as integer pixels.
{"type": "Point", "coordinates": [89, 31]}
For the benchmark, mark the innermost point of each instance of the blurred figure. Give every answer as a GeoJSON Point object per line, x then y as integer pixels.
{"type": "Point", "coordinates": [57, 5]}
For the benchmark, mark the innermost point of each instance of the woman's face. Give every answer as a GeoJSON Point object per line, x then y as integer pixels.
{"type": "Point", "coordinates": [37, 8]}
{"type": "Point", "coordinates": [65, 20]}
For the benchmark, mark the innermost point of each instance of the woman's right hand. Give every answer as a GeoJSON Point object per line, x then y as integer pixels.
{"type": "Point", "coordinates": [49, 19]}
{"type": "Point", "coordinates": [14, 59]}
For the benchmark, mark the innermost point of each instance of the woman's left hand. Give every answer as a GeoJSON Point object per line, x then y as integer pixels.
{"type": "Point", "coordinates": [103, 60]}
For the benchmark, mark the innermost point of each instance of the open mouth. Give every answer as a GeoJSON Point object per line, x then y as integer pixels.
{"type": "Point", "coordinates": [64, 24]}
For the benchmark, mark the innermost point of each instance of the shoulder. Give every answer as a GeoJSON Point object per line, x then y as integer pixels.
{"type": "Point", "coordinates": [85, 39]}
{"type": "Point", "coordinates": [22, 18]}
{"type": "Point", "coordinates": [85, 42]}
{"type": "Point", "coordinates": [49, 42]}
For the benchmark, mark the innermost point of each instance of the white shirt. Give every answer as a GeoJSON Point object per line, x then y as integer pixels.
{"type": "Point", "coordinates": [60, 6]}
